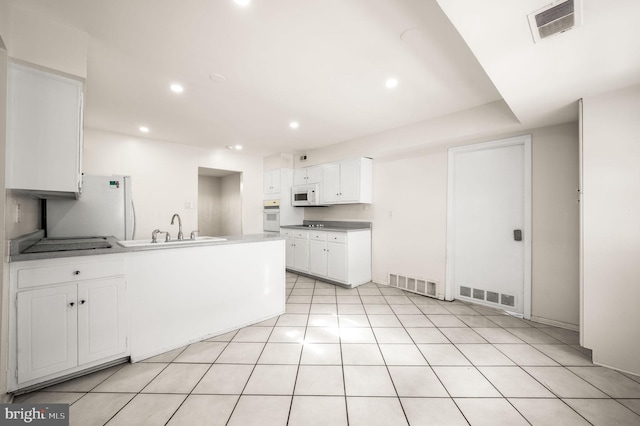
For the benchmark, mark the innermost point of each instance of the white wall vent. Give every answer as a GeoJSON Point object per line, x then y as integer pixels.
{"type": "Point", "coordinates": [487, 296]}
{"type": "Point", "coordinates": [555, 18]}
{"type": "Point", "coordinates": [414, 285]}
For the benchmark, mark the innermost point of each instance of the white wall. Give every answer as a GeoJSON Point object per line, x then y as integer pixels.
{"type": "Point", "coordinates": [39, 40]}
{"type": "Point", "coordinates": [282, 160]}
{"type": "Point", "coordinates": [209, 202]}
{"type": "Point", "coordinates": [231, 205]}
{"type": "Point", "coordinates": [485, 121]}
{"type": "Point", "coordinates": [611, 230]}
{"type": "Point", "coordinates": [165, 178]}
{"type": "Point", "coordinates": [410, 197]}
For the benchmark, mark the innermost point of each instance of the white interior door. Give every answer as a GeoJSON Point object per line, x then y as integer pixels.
{"type": "Point", "coordinates": [488, 238]}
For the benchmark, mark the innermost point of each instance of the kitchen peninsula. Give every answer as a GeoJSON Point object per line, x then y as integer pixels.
{"type": "Point", "coordinates": [112, 303]}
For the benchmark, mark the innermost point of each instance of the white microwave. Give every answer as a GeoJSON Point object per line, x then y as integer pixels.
{"type": "Point", "coordinates": [305, 195]}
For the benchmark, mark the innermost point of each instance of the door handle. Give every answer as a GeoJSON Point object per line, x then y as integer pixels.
{"type": "Point", "coordinates": [517, 234]}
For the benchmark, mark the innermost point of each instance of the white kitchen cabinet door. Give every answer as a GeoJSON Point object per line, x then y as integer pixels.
{"type": "Point", "coordinates": [272, 182]}
{"type": "Point", "coordinates": [337, 261]}
{"type": "Point", "coordinates": [331, 184]}
{"type": "Point", "coordinates": [347, 181]}
{"type": "Point", "coordinates": [47, 331]}
{"type": "Point", "coordinates": [301, 262]}
{"type": "Point", "coordinates": [44, 132]}
{"type": "Point", "coordinates": [349, 187]}
{"type": "Point", "coordinates": [307, 175]}
{"type": "Point", "coordinates": [102, 327]}
{"type": "Point", "coordinates": [318, 258]}
{"type": "Point", "coordinates": [314, 174]}
{"type": "Point", "coordinates": [290, 253]}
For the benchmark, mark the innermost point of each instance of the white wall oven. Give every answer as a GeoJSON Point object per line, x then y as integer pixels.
{"type": "Point", "coordinates": [271, 216]}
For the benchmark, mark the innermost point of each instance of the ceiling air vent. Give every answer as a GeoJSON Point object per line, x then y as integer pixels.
{"type": "Point", "coordinates": [555, 18]}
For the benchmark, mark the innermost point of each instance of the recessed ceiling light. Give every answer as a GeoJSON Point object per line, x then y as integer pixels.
{"type": "Point", "coordinates": [144, 129]}
{"type": "Point", "coordinates": [238, 147]}
{"type": "Point", "coordinates": [176, 88]}
{"type": "Point", "coordinates": [294, 124]}
{"type": "Point", "coordinates": [242, 3]}
{"type": "Point", "coordinates": [234, 147]}
{"type": "Point", "coordinates": [391, 83]}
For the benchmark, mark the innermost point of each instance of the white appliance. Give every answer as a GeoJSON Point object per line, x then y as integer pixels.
{"type": "Point", "coordinates": [305, 195]}
{"type": "Point", "coordinates": [105, 208]}
{"type": "Point", "coordinates": [271, 216]}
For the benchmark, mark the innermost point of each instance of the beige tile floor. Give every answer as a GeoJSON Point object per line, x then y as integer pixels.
{"type": "Point", "coordinates": [369, 356]}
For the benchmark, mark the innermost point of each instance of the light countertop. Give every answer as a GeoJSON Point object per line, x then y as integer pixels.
{"type": "Point", "coordinates": [331, 226]}
{"type": "Point", "coordinates": [20, 244]}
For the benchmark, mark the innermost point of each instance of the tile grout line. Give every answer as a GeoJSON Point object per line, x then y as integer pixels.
{"type": "Point", "coordinates": [295, 381]}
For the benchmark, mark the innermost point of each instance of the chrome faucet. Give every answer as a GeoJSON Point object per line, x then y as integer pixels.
{"type": "Point", "coordinates": [154, 236]}
{"type": "Point", "coordinates": [193, 234]}
{"type": "Point", "coordinates": [180, 236]}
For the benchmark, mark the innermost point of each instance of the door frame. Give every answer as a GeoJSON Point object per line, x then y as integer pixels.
{"type": "Point", "coordinates": [524, 140]}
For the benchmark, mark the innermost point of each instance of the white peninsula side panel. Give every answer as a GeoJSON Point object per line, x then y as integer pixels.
{"type": "Point", "coordinates": [180, 296]}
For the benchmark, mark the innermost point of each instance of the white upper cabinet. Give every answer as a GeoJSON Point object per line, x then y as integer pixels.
{"type": "Point", "coordinates": [307, 175]}
{"type": "Point", "coordinates": [44, 132]}
{"type": "Point", "coordinates": [272, 182]}
{"type": "Point", "coordinates": [348, 181]}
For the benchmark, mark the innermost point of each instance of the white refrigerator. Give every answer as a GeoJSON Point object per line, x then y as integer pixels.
{"type": "Point", "coordinates": [105, 208]}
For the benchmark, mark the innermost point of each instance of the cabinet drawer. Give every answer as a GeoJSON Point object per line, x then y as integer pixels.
{"type": "Point", "coordinates": [337, 237]}
{"type": "Point", "coordinates": [300, 234]}
{"type": "Point", "coordinates": [46, 275]}
{"type": "Point", "coordinates": [318, 236]}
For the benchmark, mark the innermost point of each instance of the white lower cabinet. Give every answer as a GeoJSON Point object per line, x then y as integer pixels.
{"type": "Point", "coordinates": [342, 257]}
{"type": "Point", "coordinates": [61, 327]}
{"type": "Point", "coordinates": [328, 255]}
{"type": "Point", "coordinates": [47, 331]}
{"type": "Point", "coordinates": [337, 261]}
{"type": "Point", "coordinates": [102, 326]}
{"type": "Point", "coordinates": [318, 258]}
{"type": "Point", "coordinates": [297, 250]}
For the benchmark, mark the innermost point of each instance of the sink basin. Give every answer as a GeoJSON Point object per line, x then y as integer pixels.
{"type": "Point", "coordinates": [162, 243]}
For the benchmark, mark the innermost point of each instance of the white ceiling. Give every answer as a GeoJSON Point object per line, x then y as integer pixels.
{"type": "Point", "coordinates": [323, 63]}
{"type": "Point", "coordinates": [542, 82]}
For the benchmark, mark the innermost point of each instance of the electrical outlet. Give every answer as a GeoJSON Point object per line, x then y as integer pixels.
{"type": "Point", "coordinates": [17, 212]}
{"type": "Point", "coordinates": [390, 214]}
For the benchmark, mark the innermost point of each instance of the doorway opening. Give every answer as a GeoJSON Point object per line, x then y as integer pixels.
{"type": "Point", "coordinates": [489, 225]}
{"type": "Point", "coordinates": [219, 202]}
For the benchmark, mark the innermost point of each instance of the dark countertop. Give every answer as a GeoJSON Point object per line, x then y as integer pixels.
{"type": "Point", "coordinates": [18, 246]}
{"type": "Point", "coordinates": [331, 226]}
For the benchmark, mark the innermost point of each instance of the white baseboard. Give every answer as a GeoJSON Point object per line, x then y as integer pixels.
{"type": "Point", "coordinates": [555, 323]}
